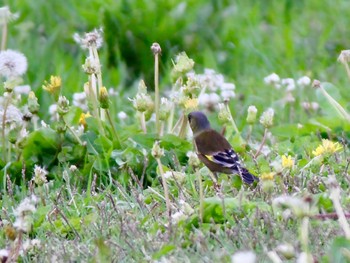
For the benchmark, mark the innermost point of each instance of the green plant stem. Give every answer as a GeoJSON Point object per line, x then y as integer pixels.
{"type": "Point", "coordinates": [304, 234]}
{"type": "Point", "coordinates": [346, 65]}
{"type": "Point", "coordinates": [166, 190]}
{"type": "Point", "coordinates": [72, 131]}
{"type": "Point", "coordinates": [156, 88]}
{"type": "Point", "coordinates": [231, 118]}
{"type": "Point", "coordinates": [201, 196]}
{"type": "Point", "coordinates": [183, 128]}
{"type": "Point", "coordinates": [113, 129]}
{"type": "Point", "coordinates": [99, 81]}
{"type": "Point", "coordinates": [341, 111]}
{"type": "Point", "coordinates": [4, 144]}
{"type": "Point", "coordinates": [262, 144]}
{"type": "Point", "coordinates": [4, 36]}
{"type": "Point", "coordinates": [143, 122]}
{"type": "Point", "coordinates": [93, 99]}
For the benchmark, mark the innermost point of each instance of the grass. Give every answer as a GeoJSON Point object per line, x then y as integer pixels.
{"type": "Point", "coordinates": [99, 180]}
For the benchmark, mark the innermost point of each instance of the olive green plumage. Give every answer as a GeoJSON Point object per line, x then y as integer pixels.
{"type": "Point", "coordinates": [214, 150]}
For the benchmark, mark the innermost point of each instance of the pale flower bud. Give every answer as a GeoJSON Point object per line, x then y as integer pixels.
{"type": "Point", "coordinates": [266, 118]}
{"type": "Point", "coordinates": [33, 105]}
{"type": "Point", "coordinates": [344, 56]}
{"type": "Point", "coordinates": [62, 105]}
{"type": "Point", "coordinates": [157, 151]}
{"type": "Point", "coordinates": [183, 63]}
{"type": "Point", "coordinates": [103, 98]}
{"type": "Point", "coordinates": [193, 159]}
{"type": "Point", "coordinates": [164, 109]}
{"type": "Point", "coordinates": [251, 117]}
{"type": "Point", "coordinates": [224, 115]}
{"type": "Point", "coordinates": [40, 175]}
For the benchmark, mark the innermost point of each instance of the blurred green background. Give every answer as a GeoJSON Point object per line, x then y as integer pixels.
{"type": "Point", "coordinates": [245, 40]}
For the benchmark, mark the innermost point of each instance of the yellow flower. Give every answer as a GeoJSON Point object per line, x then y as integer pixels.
{"type": "Point", "coordinates": [267, 176]}
{"type": "Point", "coordinates": [54, 85]}
{"type": "Point", "coordinates": [287, 161]}
{"type": "Point", "coordinates": [327, 147]}
{"type": "Point", "coordinates": [191, 104]}
{"type": "Point", "coordinates": [82, 119]}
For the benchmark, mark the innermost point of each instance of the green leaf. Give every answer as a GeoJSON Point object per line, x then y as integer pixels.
{"type": "Point", "coordinates": [339, 251]}
{"type": "Point", "coordinates": [163, 251]}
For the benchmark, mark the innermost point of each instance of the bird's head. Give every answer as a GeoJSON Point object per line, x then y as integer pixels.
{"type": "Point", "coordinates": [198, 121]}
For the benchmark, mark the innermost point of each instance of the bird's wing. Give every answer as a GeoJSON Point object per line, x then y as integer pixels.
{"type": "Point", "coordinates": [216, 148]}
{"type": "Point", "coordinates": [226, 158]}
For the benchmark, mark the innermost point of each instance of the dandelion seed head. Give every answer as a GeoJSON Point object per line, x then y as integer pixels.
{"type": "Point", "coordinates": [12, 64]}
{"type": "Point", "coordinates": [90, 39]}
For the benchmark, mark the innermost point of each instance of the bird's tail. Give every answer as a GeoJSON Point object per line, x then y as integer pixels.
{"type": "Point", "coordinates": [247, 177]}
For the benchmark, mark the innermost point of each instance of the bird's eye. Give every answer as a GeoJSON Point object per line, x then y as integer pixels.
{"type": "Point", "coordinates": [189, 118]}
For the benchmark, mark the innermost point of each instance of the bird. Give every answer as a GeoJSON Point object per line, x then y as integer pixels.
{"type": "Point", "coordinates": [214, 150]}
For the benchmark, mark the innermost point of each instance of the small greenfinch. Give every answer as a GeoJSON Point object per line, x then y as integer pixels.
{"type": "Point", "coordinates": [214, 150]}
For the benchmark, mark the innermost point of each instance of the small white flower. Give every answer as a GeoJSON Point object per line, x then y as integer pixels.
{"type": "Point", "coordinates": [13, 118]}
{"type": "Point", "coordinates": [272, 79]}
{"type": "Point", "coordinates": [40, 175]}
{"type": "Point", "coordinates": [252, 111]}
{"type": "Point", "coordinates": [23, 224]}
{"type": "Point", "coordinates": [193, 159]}
{"type": "Point", "coordinates": [266, 118]}
{"type": "Point", "coordinates": [227, 91]}
{"type": "Point", "coordinates": [23, 89]}
{"type": "Point", "coordinates": [178, 217]}
{"type": "Point", "coordinates": [304, 81]}
{"type": "Point", "coordinates": [209, 100]}
{"type": "Point", "coordinates": [289, 83]}
{"type": "Point", "coordinates": [79, 100]}
{"type": "Point", "coordinates": [53, 112]}
{"type": "Point", "coordinates": [26, 206]}
{"type": "Point", "coordinates": [122, 115]}
{"type": "Point", "coordinates": [186, 208]}
{"type": "Point", "coordinates": [73, 168]}
{"type": "Point", "coordinates": [12, 64]}
{"type": "Point", "coordinates": [89, 40]}
{"type": "Point", "coordinates": [244, 256]}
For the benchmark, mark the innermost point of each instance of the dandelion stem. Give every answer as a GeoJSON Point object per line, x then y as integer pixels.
{"type": "Point", "coordinates": [156, 87]}
{"type": "Point", "coordinates": [201, 196]}
{"type": "Point", "coordinates": [4, 36]}
{"type": "Point", "coordinates": [166, 190]}
{"type": "Point", "coordinates": [335, 197]}
{"type": "Point", "coordinates": [143, 122]}
{"type": "Point", "coordinates": [231, 118]}
{"type": "Point", "coordinates": [262, 144]}
{"type": "Point", "coordinates": [7, 103]}
{"type": "Point", "coordinates": [347, 69]}
{"type": "Point", "coordinates": [113, 129]}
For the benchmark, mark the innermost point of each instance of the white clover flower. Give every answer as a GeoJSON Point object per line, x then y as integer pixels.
{"type": "Point", "coordinates": [193, 159]}
{"type": "Point", "coordinates": [73, 168]}
{"type": "Point", "coordinates": [6, 16]}
{"type": "Point", "coordinates": [79, 100]}
{"type": "Point", "coordinates": [244, 256]}
{"type": "Point", "coordinates": [40, 175]}
{"type": "Point", "coordinates": [210, 80]}
{"type": "Point", "coordinates": [89, 40]}
{"type": "Point", "coordinates": [53, 112]}
{"type": "Point", "coordinates": [165, 108]}
{"type": "Point", "coordinates": [22, 90]}
{"type": "Point", "coordinates": [252, 111]}
{"type": "Point", "coordinates": [12, 64]}
{"type": "Point", "coordinates": [266, 118]}
{"type": "Point", "coordinates": [26, 206]}
{"type": "Point", "coordinates": [289, 83]}
{"type": "Point", "coordinates": [186, 208]}
{"type": "Point", "coordinates": [178, 217]}
{"type": "Point", "coordinates": [175, 176]}
{"type": "Point", "coordinates": [272, 79]}
{"type": "Point", "coordinates": [298, 206]}
{"type": "Point", "coordinates": [23, 224]}
{"type": "Point", "coordinates": [304, 81]}
{"type": "Point", "coordinates": [210, 101]}
{"type": "Point", "coordinates": [13, 118]}
{"type": "Point", "coordinates": [122, 115]}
